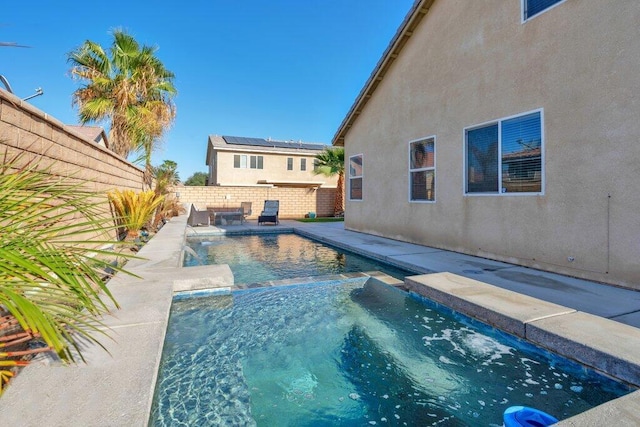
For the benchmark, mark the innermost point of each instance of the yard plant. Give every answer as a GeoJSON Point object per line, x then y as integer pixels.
{"type": "Point", "coordinates": [134, 210]}
{"type": "Point", "coordinates": [54, 238]}
{"type": "Point", "coordinates": [127, 86]}
{"type": "Point", "coordinates": [330, 162]}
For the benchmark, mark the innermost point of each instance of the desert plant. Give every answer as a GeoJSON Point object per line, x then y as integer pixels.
{"type": "Point", "coordinates": [51, 285]}
{"type": "Point", "coordinates": [134, 210]}
{"type": "Point", "coordinates": [330, 162]}
{"type": "Point", "coordinates": [169, 208]}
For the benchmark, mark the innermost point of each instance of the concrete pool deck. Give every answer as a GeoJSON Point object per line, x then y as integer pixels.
{"type": "Point", "coordinates": [116, 388]}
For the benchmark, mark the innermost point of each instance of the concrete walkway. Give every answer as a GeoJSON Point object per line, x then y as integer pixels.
{"type": "Point", "coordinates": [116, 388]}
{"type": "Point", "coordinates": [615, 303]}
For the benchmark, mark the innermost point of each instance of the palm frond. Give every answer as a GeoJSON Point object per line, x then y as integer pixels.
{"type": "Point", "coordinates": [134, 209]}
{"type": "Point", "coordinates": [129, 86]}
{"type": "Point", "coordinates": [50, 275]}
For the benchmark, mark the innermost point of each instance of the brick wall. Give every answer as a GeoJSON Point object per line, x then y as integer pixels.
{"type": "Point", "coordinates": [294, 202]}
{"type": "Point", "coordinates": [25, 129]}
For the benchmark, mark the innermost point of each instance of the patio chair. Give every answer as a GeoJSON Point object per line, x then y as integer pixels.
{"type": "Point", "coordinates": [246, 210]}
{"type": "Point", "coordinates": [197, 217]}
{"type": "Point", "coordinates": [269, 212]}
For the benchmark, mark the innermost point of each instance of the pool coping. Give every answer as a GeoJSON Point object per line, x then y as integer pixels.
{"type": "Point", "coordinates": [117, 388]}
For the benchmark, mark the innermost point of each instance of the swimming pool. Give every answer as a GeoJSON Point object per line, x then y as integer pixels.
{"type": "Point", "coordinates": [353, 352]}
{"type": "Point", "coordinates": [265, 257]}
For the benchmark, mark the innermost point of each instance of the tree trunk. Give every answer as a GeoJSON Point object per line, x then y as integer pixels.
{"type": "Point", "coordinates": [338, 205]}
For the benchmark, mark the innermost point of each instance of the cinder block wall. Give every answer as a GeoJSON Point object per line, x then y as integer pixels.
{"type": "Point", "coordinates": [294, 202]}
{"type": "Point", "coordinates": [26, 129]}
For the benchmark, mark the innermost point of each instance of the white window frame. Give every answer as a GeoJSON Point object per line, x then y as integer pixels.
{"type": "Point", "coordinates": [430, 168]}
{"type": "Point", "coordinates": [258, 161]}
{"type": "Point", "coordinates": [361, 177]}
{"type": "Point", "coordinates": [523, 4]}
{"type": "Point", "coordinates": [499, 121]}
{"type": "Point", "coordinates": [243, 164]}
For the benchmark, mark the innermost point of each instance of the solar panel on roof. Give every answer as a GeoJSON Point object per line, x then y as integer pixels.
{"type": "Point", "coordinates": [238, 140]}
{"type": "Point", "coordinates": [261, 142]}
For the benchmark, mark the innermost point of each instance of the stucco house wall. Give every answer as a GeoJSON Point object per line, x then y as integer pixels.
{"type": "Point", "coordinates": [468, 63]}
{"type": "Point", "coordinates": [275, 169]}
{"type": "Point", "coordinates": [220, 159]}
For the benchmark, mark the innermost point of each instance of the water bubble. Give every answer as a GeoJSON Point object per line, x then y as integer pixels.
{"type": "Point", "coordinates": [576, 388]}
{"type": "Point", "coordinates": [557, 386]}
{"type": "Point", "coordinates": [385, 396]}
{"type": "Point", "coordinates": [354, 396]}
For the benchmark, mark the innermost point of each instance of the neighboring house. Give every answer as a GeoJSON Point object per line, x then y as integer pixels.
{"type": "Point", "coordinates": [239, 161]}
{"type": "Point", "coordinates": [92, 133]}
{"type": "Point", "coordinates": [508, 130]}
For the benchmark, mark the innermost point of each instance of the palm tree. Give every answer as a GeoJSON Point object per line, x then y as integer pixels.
{"type": "Point", "coordinates": [129, 88]}
{"type": "Point", "coordinates": [166, 175]}
{"type": "Point", "coordinates": [331, 163]}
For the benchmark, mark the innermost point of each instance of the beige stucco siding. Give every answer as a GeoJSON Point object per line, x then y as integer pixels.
{"type": "Point", "coordinates": [274, 169]}
{"type": "Point", "coordinates": [468, 63]}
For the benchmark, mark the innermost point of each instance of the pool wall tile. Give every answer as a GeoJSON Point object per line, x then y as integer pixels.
{"type": "Point", "coordinates": [504, 309]}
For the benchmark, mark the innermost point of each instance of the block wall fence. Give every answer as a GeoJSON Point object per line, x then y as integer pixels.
{"type": "Point", "coordinates": [26, 129]}
{"type": "Point", "coordinates": [294, 202]}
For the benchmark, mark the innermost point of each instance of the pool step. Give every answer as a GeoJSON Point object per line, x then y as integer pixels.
{"type": "Point", "coordinates": [605, 345]}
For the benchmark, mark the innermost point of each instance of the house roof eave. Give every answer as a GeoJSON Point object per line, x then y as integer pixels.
{"type": "Point", "coordinates": [418, 11]}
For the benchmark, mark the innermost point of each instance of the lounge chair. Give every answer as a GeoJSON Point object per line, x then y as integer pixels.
{"type": "Point", "coordinates": [197, 217]}
{"type": "Point", "coordinates": [246, 210]}
{"type": "Point", "coordinates": [269, 212]}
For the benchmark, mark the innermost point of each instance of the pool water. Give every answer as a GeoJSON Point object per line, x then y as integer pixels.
{"type": "Point", "coordinates": [353, 352]}
{"type": "Point", "coordinates": [266, 257]}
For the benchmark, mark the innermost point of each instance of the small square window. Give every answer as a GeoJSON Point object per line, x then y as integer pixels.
{"type": "Point", "coordinates": [256, 162]}
{"type": "Point", "coordinates": [239, 161]}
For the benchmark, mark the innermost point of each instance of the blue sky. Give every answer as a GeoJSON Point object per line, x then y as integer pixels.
{"type": "Point", "coordinates": [285, 69]}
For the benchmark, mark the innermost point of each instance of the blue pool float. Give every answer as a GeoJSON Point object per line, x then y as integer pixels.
{"type": "Point", "coordinates": [522, 416]}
